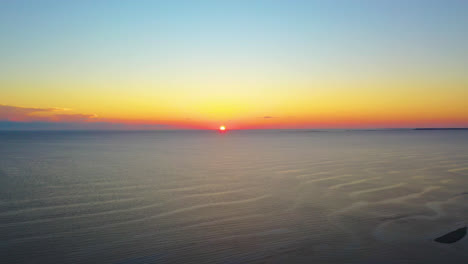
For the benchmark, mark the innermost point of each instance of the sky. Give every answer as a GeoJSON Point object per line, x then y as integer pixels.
{"type": "Point", "coordinates": [244, 64]}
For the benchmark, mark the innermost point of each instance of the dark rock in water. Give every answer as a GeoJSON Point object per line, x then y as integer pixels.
{"type": "Point", "coordinates": [452, 237]}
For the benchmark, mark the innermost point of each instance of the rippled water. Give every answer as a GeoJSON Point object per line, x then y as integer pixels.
{"type": "Point", "coordinates": [238, 197]}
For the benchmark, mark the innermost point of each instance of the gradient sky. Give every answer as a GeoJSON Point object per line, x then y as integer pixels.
{"type": "Point", "coordinates": [246, 64]}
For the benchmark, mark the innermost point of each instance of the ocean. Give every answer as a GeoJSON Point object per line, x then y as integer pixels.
{"type": "Point", "coordinates": [266, 196]}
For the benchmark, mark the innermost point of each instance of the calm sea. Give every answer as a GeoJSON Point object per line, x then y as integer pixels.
{"type": "Point", "coordinates": [237, 197]}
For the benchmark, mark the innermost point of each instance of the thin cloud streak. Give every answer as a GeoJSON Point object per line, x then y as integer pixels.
{"type": "Point", "coordinates": [55, 118]}
{"type": "Point", "coordinates": [36, 114]}
{"type": "Point", "coordinates": [14, 126]}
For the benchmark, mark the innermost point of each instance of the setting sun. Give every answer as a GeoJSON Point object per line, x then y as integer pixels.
{"type": "Point", "coordinates": [222, 128]}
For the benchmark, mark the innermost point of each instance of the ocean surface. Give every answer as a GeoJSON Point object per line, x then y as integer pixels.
{"type": "Point", "coordinates": [236, 197]}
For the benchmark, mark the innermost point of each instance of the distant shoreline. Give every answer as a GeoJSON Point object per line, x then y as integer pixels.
{"type": "Point", "coordinates": [443, 128]}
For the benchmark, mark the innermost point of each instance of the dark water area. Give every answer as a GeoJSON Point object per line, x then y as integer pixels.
{"type": "Point", "coordinates": [237, 197]}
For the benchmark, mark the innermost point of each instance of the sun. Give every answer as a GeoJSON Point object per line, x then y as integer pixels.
{"type": "Point", "coordinates": [222, 128]}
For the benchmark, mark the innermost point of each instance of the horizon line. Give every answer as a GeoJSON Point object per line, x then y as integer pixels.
{"type": "Point", "coordinates": [241, 129]}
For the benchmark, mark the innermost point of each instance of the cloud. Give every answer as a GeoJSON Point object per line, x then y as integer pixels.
{"type": "Point", "coordinates": [73, 118]}
{"type": "Point", "coordinates": [34, 114]}
{"type": "Point", "coordinates": [268, 117]}
{"type": "Point", "coordinates": [14, 112]}
{"type": "Point", "coordinates": [11, 125]}
{"type": "Point", "coordinates": [54, 118]}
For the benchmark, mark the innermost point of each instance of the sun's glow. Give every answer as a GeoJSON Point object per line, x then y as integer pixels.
{"type": "Point", "coordinates": [222, 128]}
